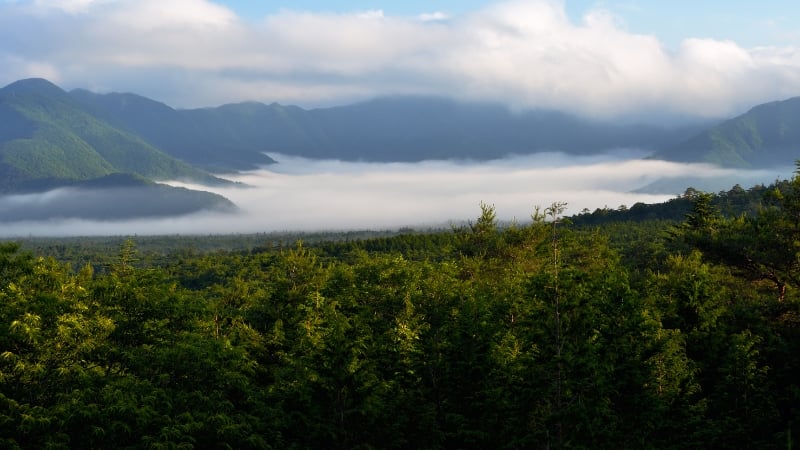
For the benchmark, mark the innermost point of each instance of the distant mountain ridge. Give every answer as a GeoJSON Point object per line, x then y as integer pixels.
{"type": "Point", "coordinates": [201, 137]}
{"type": "Point", "coordinates": [406, 129]}
{"type": "Point", "coordinates": [765, 136]}
{"type": "Point", "coordinates": [49, 134]}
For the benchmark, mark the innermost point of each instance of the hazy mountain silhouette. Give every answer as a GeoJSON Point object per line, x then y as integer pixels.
{"type": "Point", "coordinates": [236, 136]}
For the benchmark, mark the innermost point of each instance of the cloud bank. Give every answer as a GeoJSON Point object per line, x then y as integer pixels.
{"type": "Point", "coordinates": [321, 195]}
{"type": "Point", "coordinates": [525, 53]}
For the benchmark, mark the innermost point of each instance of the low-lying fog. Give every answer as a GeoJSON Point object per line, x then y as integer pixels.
{"type": "Point", "coordinates": [299, 194]}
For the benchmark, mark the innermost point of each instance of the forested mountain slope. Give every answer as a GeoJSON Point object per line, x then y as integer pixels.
{"type": "Point", "coordinates": [93, 169]}
{"type": "Point", "coordinates": [45, 136]}
{"type": "Point", "coordinates": [768, 135]}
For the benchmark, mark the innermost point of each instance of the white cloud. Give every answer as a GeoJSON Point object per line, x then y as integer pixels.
{"type": "Point", "coordinates": [434, 16]}
{"type": "Point", "coordinates": [69, 6]}
{"type": "Point", "coordinates": [375, 14]}
{"type": "Point", "coordinates": [168, 16]}
{"type": "Point", "coordinates": [18, 68]}
{"type": "Point", "coordinates": [526, 53]}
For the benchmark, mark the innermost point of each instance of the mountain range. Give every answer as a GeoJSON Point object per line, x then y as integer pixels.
{"type": "Point", "coordinates": [50, 138]}
{"type": "Point", "coordinates": [395, 129]}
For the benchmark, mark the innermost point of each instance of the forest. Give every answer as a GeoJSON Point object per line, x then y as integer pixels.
{"type": "Point", "coordinates": [663, 327]}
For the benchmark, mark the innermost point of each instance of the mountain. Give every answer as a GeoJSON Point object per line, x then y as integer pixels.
{"type": "Point", "coordinates": [89, 168]}
{"type": "Point", "coordinates": [418, 128]}
{"type": "Point", "coordinates": [236, 136]}
{"type": "Point", "coordinates": [766, 136]}
{"type": "Point", "coordinates": [219, 139]}
{"type": "Point", "coordinates": [111, 197]}
{"type": "Point", "coordinates": [46, 136]}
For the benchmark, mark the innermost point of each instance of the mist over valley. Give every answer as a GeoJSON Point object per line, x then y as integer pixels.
{"type": "Point", "coordinates": [81, 163]}
{"type": "Point", "coordinates": [301, 194]}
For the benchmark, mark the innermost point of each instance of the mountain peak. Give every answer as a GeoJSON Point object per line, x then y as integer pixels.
{"type": "Point", "coordinates": [38, 86]}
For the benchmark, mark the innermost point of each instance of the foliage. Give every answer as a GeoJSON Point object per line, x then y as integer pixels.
{"type": "Point", "coordinates": [543, 335]}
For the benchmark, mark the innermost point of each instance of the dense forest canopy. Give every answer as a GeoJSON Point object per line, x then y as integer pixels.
{"type": "Point", "coordinates": [561, 333]}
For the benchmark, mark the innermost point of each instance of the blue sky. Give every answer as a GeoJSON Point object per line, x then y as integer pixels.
{"type": "Point", "coordinates": [608, 59]}
{"type": "Point", "coordinates": [259, 9]}
{"type": "Point", "coordinates": [748, 22]}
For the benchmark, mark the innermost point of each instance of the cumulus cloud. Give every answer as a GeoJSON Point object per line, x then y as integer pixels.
{"type": "Point", "coordinates": [298, 194]}
{"type": "Point", "coordinates": [526, 53]}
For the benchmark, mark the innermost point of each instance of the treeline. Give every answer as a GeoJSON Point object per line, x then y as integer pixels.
{"type": "Point", "coordinates": [675, 335]}
{"type": "Point", "coordinates": [731, 203]}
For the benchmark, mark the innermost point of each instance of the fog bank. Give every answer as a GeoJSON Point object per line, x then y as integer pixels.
{"type": "Point", "coordinates": [299, 194]}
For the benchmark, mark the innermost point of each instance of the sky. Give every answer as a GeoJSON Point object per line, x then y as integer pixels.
{"type": "Point", "coordinates": [626, 59]}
